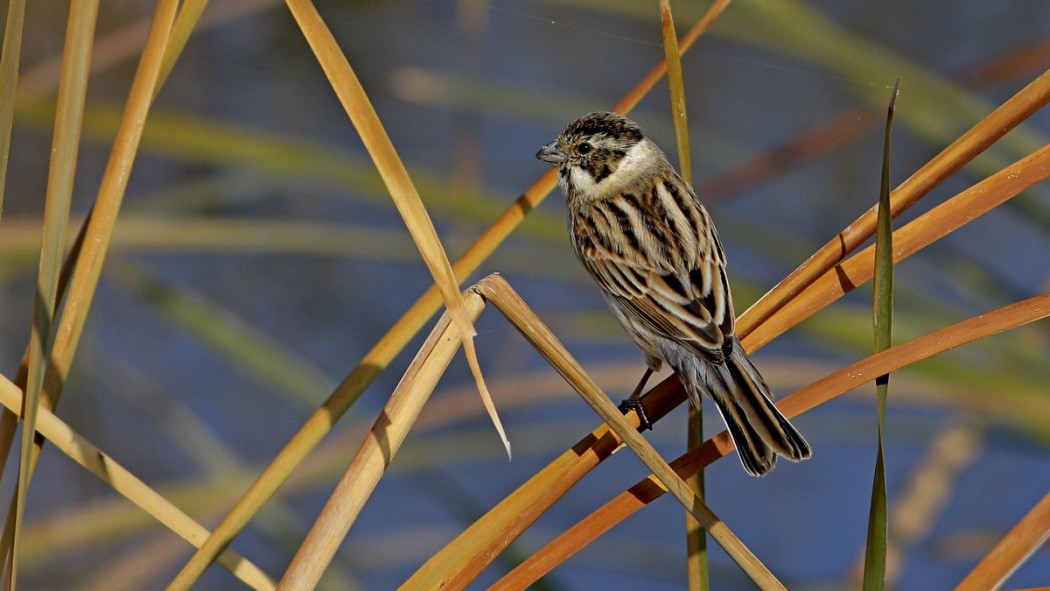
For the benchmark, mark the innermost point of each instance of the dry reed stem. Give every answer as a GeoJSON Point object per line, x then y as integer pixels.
{"type": "Point", "coordinates": [1007, 116]}
{"type": "Point", "coordinates": [628, 102]}
{"type": "Point", "coordinates": [675, 84]}
{"type": "Point", "coordinates": [107, 205]}
{"type": "Point", "coordinates": [390, 344]}
{"type": "Point", "coordinates": [697, 576]}
{"type": "Point", "coordinates": [376, 453]}
{"type": "Point", "coordinates": [9, 420]}
{"type": "Point", "coordinates": [69, 114]}
{"type": "Point", "coordinates": [9, 62]}
{"type": "Point", "coordinates": [1019, 543]}
{"type": "Point", "coordinates": [127, 484]}
{"type": "Point", "coordinates": [496, 290]}
{"type": "Point", "coordinates": [630, 501]}
{"type": "Point", "coordinates": [185, 22]}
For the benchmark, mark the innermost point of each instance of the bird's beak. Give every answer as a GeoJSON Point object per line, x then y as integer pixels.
{"type": "Point", "coordinates": [551, 153]}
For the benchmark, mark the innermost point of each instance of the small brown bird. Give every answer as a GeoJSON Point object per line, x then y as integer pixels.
{"type": "Point", "coordinates": [651, 247]}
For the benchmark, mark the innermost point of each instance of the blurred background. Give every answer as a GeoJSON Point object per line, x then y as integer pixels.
{"type": "Point", "coordinates": [258, 258]}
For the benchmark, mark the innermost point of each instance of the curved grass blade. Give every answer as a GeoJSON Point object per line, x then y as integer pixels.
{"type": "Point", "coordinates": [882, 319]}
{"type": "Point", "coordinates": [403, 191]}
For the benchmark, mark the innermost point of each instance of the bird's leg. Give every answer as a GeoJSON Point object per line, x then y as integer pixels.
{"type": "Point", "coordinates": [635, 403]}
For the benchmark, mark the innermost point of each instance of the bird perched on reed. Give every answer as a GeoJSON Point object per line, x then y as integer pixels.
{"type": "Point", "coordinates": [651, 247]}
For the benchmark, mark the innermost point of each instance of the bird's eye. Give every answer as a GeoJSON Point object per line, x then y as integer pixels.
{"type": "Point", "coordinates": [583, 148]}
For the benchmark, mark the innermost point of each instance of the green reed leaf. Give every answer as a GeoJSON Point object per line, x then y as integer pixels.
{"type": "Point", "coordinates": [882, 315]}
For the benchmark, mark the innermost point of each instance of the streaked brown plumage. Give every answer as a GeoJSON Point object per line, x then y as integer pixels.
{"type": "Point", "coordinates": [650, 246]}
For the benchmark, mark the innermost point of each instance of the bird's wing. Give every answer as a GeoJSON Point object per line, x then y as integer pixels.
{"type": "Point", "coordinates": [691, 307]}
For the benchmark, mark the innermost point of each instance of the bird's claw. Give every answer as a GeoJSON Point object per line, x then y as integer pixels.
{"type": "Point", "coordinates": [635, 404]}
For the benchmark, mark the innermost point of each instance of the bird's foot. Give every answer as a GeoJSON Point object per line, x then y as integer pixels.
{"type": "Point", "coordinates": [636, 405]}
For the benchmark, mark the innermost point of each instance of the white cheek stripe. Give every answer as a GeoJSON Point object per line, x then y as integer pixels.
{"type": "Point", "coordinates": [635, 161]}
{"type": "Point", "coordinates": [638, 157]}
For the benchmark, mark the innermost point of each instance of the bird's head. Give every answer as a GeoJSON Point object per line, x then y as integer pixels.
{"type": "Point", "coordinates": [600, 152]}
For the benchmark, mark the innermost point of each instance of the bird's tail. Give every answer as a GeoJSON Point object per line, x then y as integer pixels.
{"type": "Point", "coordinates": [759, 430]}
